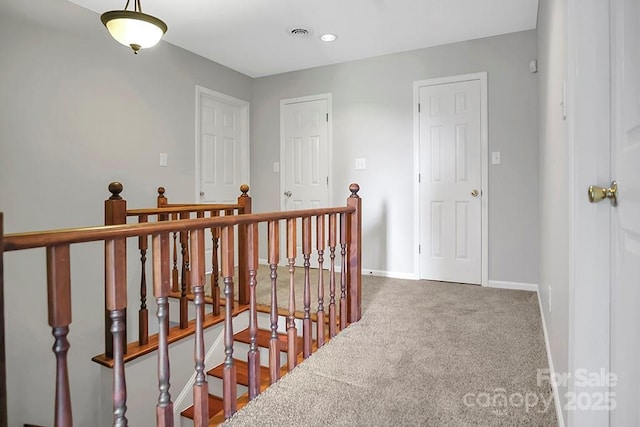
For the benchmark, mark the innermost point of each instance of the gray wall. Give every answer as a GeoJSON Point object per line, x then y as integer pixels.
{"type": "Point", "coordinates": [554, 174]}
{"type": "Point", "coordinates": [78, 110]}
{"type": "Point", "coordinates": [373, 118]}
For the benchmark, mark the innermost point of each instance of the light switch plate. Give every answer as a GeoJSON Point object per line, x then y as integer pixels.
{"type": "Point", "coordinates": [361, 163]}
{"type": "Point", "coordinates": [276, 167]}
{"type": "Point", "coordinates": [495, 158]}
{"type": "Point", "coordinates": [164, 159]}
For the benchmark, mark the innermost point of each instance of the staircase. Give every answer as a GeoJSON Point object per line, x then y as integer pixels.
{"type": "Point", "coordinates": [215, 374]}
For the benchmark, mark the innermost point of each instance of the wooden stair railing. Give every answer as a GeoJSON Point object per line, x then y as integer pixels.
{"type": "Point", "coordinates": [249, 373]}
{"type": "Point", "coordinates": [116, 213]}
{"type": "Point", "coordinates": [57, 243]}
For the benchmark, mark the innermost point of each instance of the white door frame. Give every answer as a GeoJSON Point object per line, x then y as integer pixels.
{"type": "Point", "coordinates": [283, 102]}
{"type": "Point", "coordinates": [484, 142]}
{"type": "Point", "coordinates": [244, 132]}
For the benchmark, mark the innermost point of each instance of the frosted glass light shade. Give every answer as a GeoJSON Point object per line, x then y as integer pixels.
{"type": "Point", "coordinates": [134, 29]}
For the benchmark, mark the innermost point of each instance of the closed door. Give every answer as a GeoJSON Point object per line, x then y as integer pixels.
{"type": "Point", "coordinates": [625, 296]}
{"type": "Point", "coordinates": [223, 147]}
{"type": "Point", "coordinates": [222, 150]}
{"type": "Point", "coordinates": [451, 182]}
{"type": "Point", "coordinates": [305, 149]}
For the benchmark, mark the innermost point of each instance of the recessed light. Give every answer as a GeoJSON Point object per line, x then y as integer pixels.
{"type": "Point", "coordinates": [328, 37]}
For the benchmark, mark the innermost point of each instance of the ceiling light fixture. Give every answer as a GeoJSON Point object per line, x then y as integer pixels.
{"type": "Point", "coordinates": [328, 37]}
{"type": "Point", "coordinates": [133, 28]}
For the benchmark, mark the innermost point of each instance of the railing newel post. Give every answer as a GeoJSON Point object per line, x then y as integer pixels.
{"type": "Point", "coordinates": [354, 251]}
{"type": "Point", "coordinates": [115, 213]}
{"type": "Point", "coordinates": [244, 203]}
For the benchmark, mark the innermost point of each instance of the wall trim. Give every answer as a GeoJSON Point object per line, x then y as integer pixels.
{"type": "Point", "coordinates": [554, 386]}
{"type": "Point", "coordinates": [532, 287]}
{"type": "Point", "coordinates": [389, 274]}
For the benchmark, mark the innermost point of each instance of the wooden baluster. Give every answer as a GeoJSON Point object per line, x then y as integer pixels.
{"type": "Point", "coordinates": [229, 386]}
{"type": "Point", "coordinates": [173, 280]}
{"type": "Point", "coordinates": [343, 272]}
{"type": "Point", "coordinates": [306, 253]}
{"type": "Point", "coordinates": [215, 267]}
{"type": "Point", "coordinates": [200, 386]}
{"type": "Point", "coordinates": [274, 259]}
{"type": "Point", "coordinates": [115, 267]}
{"type": "Point", "coordinates": [354, 283]}
{"type": "Point", "coordinates": [175, 276]}
{"type": "Point", "coordinates": [3, 363]}
{"type": "Point", "coordinates": [143, 313]}
{"type": "Point", "coordinates": [228, 212]}
{"type": "Point", "coordinates": [115, 213]}
{"type": "Point", "coordinates": [320, 247]}
{"type": "Point", "coordinates": [59, 293]}
{"type": "Point", "coordinates": [292, 332]}
{"type": "Point", "coordinates": [332, 275]}
{"type": "Point", "coordinates": [244, 201]}
{"type": "Point", "coordinates": [184, 301]}
{"type": "Point", "coordinates": [253, 356]}
{"type": "Point", "coordinates": [161, 291]}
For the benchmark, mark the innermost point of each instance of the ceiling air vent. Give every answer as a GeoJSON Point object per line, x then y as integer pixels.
{"type": "Point", "coordinates": [299, 32]}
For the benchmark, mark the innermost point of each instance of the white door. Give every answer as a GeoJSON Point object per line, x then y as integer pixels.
{"type": "Point", "coordinates": [222, 147]}
{"type": "Point", "coordinates": [304, 154]}
{"type": "Point", "coordinates": [450, 159]}
{"type": "Point", "coordinates": [625, 309]}
{"type": "Point", "coordinates": [222, 150]}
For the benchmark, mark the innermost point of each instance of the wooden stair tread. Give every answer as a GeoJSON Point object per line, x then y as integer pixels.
{"type": "Point", "coordinates": [215, 405]}
{"type": "Point", "coordinates": [242, 372]}
{"type": "Point", "coordinates": [263, 337]}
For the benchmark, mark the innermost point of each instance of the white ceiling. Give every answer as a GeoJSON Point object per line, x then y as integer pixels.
{"type": "Point", "coordinates": [251, 36]}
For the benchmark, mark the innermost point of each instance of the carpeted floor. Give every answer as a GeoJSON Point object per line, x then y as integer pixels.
{"type": "Point", "coordinates": [424, 353]}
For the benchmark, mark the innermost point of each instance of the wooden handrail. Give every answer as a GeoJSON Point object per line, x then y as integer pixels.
{"type": "Point", "coordinates": [180, 209]}
{"type": "Point", "coordinates": [41, 239]}
{"type": "Point", "coordinates": [344, 234]}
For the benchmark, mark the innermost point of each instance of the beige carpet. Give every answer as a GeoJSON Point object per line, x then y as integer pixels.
{"type": "Point", "coordinates": [263, 287]}
{"type": "Point", "coordinates": [424, 353]}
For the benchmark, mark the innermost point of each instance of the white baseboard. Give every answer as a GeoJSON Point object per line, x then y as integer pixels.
{"type": "Point", "coordinates": [554, 387]}
{"type": "Point", "coordinates": [390, 274]}
{"type": "Point", "coordinates": [513, 285]}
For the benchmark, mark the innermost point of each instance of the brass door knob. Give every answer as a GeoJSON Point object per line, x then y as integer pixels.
{"type": "Point", "coordinates": [597, 194]}
{"type": "Point", "coordinates": [475, 193]}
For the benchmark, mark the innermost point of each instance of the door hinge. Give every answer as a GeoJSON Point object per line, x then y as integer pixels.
{"type": "Point", "coordinates": [327, 181]}
{"type": "Point", "coordinates": [419, 178]}
{"type": "Point", "coordinates": [327, 117]}
{"type": "Point", "coordinates": [418, 107]}
{"type": "Point", "coordinates": [419, 249]}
